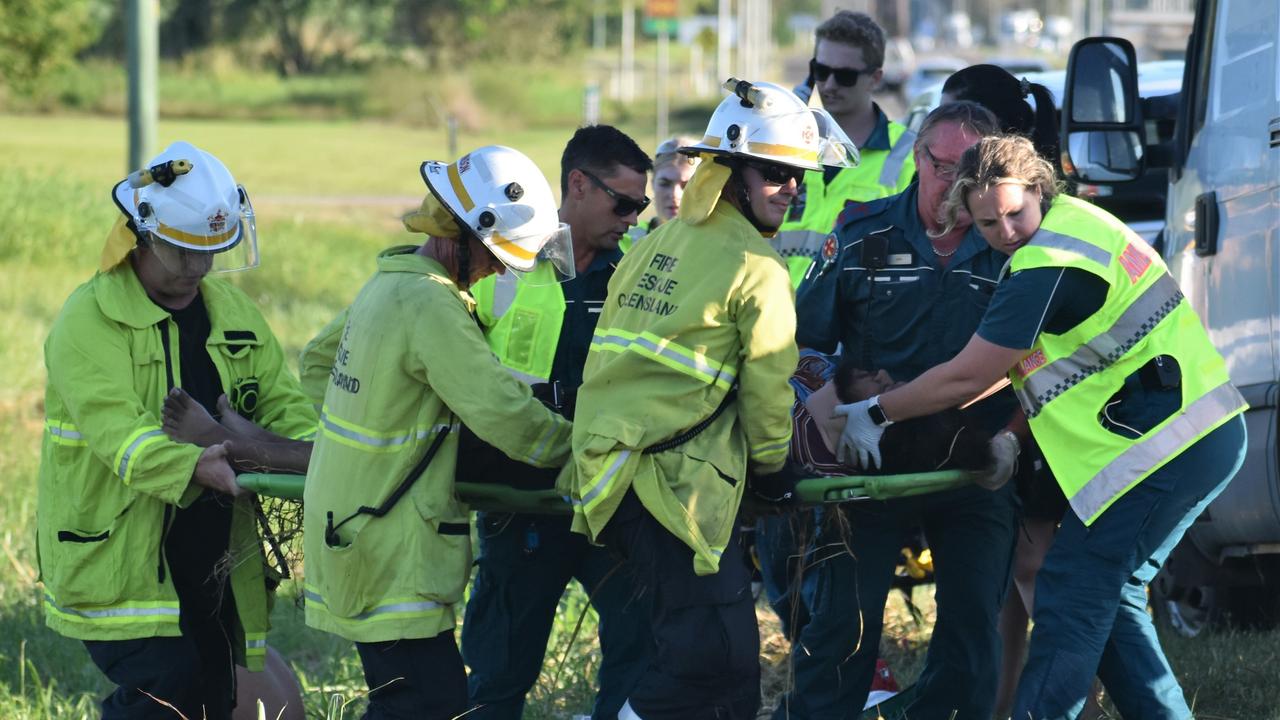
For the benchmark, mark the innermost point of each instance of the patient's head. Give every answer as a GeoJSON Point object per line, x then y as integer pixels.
{"type": "Point", "coordinates": [854, 383]}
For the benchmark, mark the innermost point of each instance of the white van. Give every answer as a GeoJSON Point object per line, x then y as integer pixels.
{"type": "Point", "coordinates": [1222, 243]}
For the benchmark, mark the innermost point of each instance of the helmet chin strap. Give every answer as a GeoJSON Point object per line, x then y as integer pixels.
{"type": "Point", "coordinates": [743, 200]}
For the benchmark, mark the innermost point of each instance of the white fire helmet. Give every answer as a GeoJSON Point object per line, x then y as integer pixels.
{"type": "Point", "coordinates": [196, 217]}
{"type": "Point", "coordinates": [499, 195]}
{"type": "Point", "coordinates": [767, 122]}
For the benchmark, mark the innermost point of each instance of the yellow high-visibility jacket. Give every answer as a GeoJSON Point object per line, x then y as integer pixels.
{"type": "Point", "coordinates": [409, 364]}
{"type": "Point", "coordinates": [109, 476]}
{"type": "Point", "coordinates": [692, 311]}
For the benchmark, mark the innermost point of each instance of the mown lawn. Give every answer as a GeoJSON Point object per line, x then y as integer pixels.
{"type": "Point", "coordinates": [328, 196]}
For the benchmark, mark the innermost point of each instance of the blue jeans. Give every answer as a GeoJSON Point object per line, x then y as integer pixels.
{"type": "Point", "coordinates": [524, 565]}
{"type": "Point", "coordinates": [971, 534]}
{"type": "Point", "coordinates": [1091, 594]}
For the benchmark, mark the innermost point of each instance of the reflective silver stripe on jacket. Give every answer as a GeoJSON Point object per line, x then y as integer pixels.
{"type": "Point", "coordinates": [113, 612]}
{"type": "Point", "coordinates": [605, 478]}
{"type": "Point", "coordinates": [1057, 241]}
{"type": "Point", "coordinates": [1156, 449]}
{"type": "Point", "coordinates": [897, 157]}
{"type": "Point", "coordinates": [123, 469]}
{"type": "Point", "coordinates": [381, 442]}
{"type": "Point", "coordinates": [400, 607]}
{"type": "Point", "coordinates": [504, 293]}
{"type": "Point", "coordinates": [63, 433]}
{"type": "Point", "coordinates": [1137, 321]}
{"type": "Point", "coordinates": [670, 351]}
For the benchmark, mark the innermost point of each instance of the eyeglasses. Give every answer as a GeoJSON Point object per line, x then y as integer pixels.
{"type": "Point", "coordinates": [844, 76]}
{"type": "Point", "coordinates": [775, 174]}
{"type": "Point", "coordinates": [944, 171]}
{"type": "Point", "coordinates": [622, 204]}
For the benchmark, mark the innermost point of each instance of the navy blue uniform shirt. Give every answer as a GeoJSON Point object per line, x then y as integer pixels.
{"type": "Point", "coordinates": [584, 296]}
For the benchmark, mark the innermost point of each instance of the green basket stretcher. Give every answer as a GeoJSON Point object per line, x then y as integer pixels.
{"type": "Point", "coordinates": [502, 498]}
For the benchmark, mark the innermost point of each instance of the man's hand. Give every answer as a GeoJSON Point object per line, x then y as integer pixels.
{"type": "Point", "coordinates": [860, 441]}
{"type": "Point", "coordinates": [1004, 461]}
{"type": "Point", "coordinates": [214, 472]}
{"type": "Point", "coordinates": [779, 487]}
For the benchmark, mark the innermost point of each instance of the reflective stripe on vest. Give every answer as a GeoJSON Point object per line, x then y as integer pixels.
{"type": "Point", "coordinates": [899, 152]}
{"type": "Point", "coordinates": [255, 644]}
{"type": "Point", "coordinates": [670, 354]}
{"type": "Point", "coordinates": [122, 614]}
{"type": "Point", "coordinates": [1136, 322]}
{"type": "Point", "coordinates": [1216, 406]}
{"type": "Point", "coordinates": [1057, 241]}
{"type": "Point", "coordinates": [504, 293]}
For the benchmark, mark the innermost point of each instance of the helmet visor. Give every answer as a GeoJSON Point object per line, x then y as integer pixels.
{"type": "Point", "coordinates": [835, 149]}
{"type": "Point", "coordinates": [187, 260]}
{"type": "Point", "coordinates": [555, 260]}
{"type": "Point", "coordinates": [244, 254]}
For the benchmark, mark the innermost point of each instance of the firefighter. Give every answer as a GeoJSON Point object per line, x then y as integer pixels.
{"type": "Point", "coordinates": [1128, 399]}
{"type": "Point", "coordinates": [387, 543]}
{"type": "Point", "coordinates": [541, 333]}
{"type": "Point", "coordinates": [846, 67]}
{"type": "Point", "coordinates": [149, 551]}
{"type": "Point", "coordinates": [685, 400]}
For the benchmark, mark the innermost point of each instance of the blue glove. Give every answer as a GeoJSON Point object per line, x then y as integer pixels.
{"type": "Point", "coordinates": [860, 440]}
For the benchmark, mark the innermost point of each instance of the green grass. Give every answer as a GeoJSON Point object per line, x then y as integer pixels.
{"type": "Point", "coordinates": [54, 214]}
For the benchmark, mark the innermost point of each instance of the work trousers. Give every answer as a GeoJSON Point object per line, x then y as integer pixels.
{"type": "Point", "coordinates": [419, 679]}
{"type": "Point", "coordinates": [194, 672]}
{"type": "Point", "coordinates": [706, 661]}
{"type": "Point", "coordinates": [1091, 594]}
{"type": "Point", "coordinates": [780, 544]}
{"type": "Point", "coordinates": [971, 534]}
{"type": "Point", "coordinates": [524, 565]}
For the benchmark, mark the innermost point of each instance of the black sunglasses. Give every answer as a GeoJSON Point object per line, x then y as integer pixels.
{"type": "Point", "coordinates": [622, 204]}
{"type": "Point", "coordinates": [775, 174]}
{"type": "Point", "coordinates": [844, 76]}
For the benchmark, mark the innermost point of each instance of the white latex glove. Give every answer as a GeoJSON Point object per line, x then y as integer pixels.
{"type": "Point", "coordinates": [1004, 461]}
{"type": "Point", "coordinates": [860, 440]}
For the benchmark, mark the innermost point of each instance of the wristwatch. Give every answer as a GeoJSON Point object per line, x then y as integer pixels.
{"type": "Point", "coordinates": [877, 413]}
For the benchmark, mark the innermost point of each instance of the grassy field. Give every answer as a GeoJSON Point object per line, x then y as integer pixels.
{"type": "Point", "coordinates": [321, 190]}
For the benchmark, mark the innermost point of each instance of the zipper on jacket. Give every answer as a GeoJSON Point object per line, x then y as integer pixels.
{"type": "Point", "coordinates": [168, 509]}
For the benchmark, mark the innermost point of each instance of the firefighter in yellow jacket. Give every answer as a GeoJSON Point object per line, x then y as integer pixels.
{"type": "Point", "coordinates": [388, 545]}
{"type": "Point", "coordinates": [133, 526]}
{"type": "Point", "coordinates": [685, 396]}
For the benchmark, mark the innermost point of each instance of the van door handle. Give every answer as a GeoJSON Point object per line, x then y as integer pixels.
{"type": "Point", "coordinates": [1207, 224]}
{"type": "Point", "coordinates": [1274, 129]}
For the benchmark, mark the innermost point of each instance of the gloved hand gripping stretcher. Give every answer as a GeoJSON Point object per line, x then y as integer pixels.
{"type": "Point", "coordinates": [501, 498]}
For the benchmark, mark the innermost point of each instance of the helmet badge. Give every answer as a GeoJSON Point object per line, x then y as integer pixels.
{"type": "Point", "coordinates": [808, 134]}
{"type": "Point", "coordinates": [218, 222]}
{"type": "Point", "coordinates": [464, 163]}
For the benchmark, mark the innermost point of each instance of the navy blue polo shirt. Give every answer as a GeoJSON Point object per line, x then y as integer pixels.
{"type": "Point", "coordinates": [584, 297]}
{"type": "Point", "coordinates": [911, 313]}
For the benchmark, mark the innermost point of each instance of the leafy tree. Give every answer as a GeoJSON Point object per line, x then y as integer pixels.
{"type": "Point", "coordinates": [39, 36]}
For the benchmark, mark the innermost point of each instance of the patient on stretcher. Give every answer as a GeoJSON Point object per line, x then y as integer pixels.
{"type": "Point", "coordinates": [942, 441]}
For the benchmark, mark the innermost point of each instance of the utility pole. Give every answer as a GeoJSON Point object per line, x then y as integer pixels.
{"type": "Point", "coordinates": [143, 43]}
{"type": "Point", "coordinates": [723, 29]}
{"type": "Point", "coordinates": [664, 71]}
{"type": "Point", "coordinates": [628, 51]}
{"type": "Point", "coordinates": [597, 26]}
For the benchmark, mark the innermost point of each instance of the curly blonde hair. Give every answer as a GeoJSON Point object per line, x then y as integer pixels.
{"type": "Point", "coordinates": [997, 160]}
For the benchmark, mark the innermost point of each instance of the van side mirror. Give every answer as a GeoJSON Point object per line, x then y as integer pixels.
{"type": "Point", "coordinates": [1102, 134]}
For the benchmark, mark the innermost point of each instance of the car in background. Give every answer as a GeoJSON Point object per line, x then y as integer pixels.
{"type": "Point", "coordinates": [899, 63]}
{"type": "Point", "coordinates": [1019, 66]}
{"type": "Point", "coordinates": [929, 72]}
{"type": "Point", "coordinates": [1140, 203]}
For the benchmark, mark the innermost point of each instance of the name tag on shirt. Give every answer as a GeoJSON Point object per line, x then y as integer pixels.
{"type": "Point", "coordinates": [900, 259]}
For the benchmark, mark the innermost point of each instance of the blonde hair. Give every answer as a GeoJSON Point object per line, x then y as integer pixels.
{"type": "Point", "coordinates": [668, 152]}
{"type": "Point", "coordinates": [997, 160]}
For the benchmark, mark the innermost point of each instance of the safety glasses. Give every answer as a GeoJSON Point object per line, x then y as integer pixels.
{"type": "Point", "coordinates": [775, 174]}
{"type": "Point", "coordinates": [844, 76]}
{"type": "Point", "coordinates": [944, 171]}
{"type": "Point", "coordinates": [623, 205]}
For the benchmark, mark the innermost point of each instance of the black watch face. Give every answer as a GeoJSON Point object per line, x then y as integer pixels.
{"type": "Point", "coordinates": [877, 415]}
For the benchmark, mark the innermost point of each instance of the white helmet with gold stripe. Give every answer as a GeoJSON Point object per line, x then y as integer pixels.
{"type": "Point", "coordinates": [186, 199]}
{"type": "Point", "coordinates": [498, 194]}
{"type": "Point", "coordinates": [767, 122]}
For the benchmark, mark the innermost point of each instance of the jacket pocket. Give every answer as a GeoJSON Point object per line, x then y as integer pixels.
{"type": "Point", "coordinates": [86, 565]}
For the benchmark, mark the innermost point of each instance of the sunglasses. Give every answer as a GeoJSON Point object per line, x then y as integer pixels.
{"type": "Point", "coordinates": [844, 76]}
{"type": "Point", "coordinates": [622, 204]}
{"type": "Point", "coordinates": [775, 174]}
